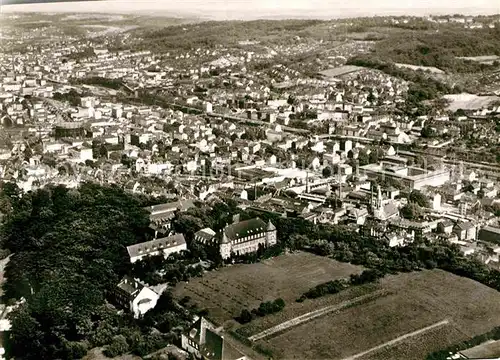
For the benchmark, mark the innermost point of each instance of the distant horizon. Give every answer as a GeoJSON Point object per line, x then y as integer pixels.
{"type": "Point", "coordinates": [262, 9]}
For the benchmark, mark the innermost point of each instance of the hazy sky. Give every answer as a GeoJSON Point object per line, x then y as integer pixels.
{"type": "Point", "coordinates": [245, 9]}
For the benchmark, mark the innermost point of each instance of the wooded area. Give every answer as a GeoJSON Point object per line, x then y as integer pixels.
{"type": "Point", "coordinates": [441, 48]}
{"type": "Point", "coordinates": [68, 251]}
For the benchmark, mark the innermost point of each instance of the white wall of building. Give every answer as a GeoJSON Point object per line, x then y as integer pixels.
{"type": "Point", "coordinates": [140, 309]}
{"type": "Point", "coordinates": [166, 252]}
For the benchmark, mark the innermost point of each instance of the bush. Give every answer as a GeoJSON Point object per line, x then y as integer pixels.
{"type": "Point", "coordinates": [336, 286]}
{"type": "Point", "coordinates": [367, 276]}
{"type": "Point", "coordinates": [76, 350]}
{"type": "Point", "coordinates": [245, 317]}
{"type": "Point", "coordinates": [118, 346]}
{"type": "Point", "coordinates": [419, 198]}
{"type": "Point", "coordinates": [265, 308]}
{"type": "Point", "coordinates": [330, 287]}
{"type": "Point", "coordinates": [279, 303]}
{"type": "Point", "coordinates": [4, 253]}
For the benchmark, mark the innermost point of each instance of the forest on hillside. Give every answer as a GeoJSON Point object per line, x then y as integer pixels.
{"type": "Point", "coordinates": [211, 34]}
{"type": "Point", "coordinates": [440, 48]}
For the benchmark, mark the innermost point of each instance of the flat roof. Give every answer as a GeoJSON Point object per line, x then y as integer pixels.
{"type": "Point", "coordinates": [380, 169]}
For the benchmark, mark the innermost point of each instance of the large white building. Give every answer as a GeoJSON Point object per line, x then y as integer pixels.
{"type": "Point", "coordinates": [166, 246]}
{"type": "Point", "coordinates": [241, 237]}
{"type": "Point", "coordinates": [411, 177]}
{"type": "Point", "coordinates": [132, 295]}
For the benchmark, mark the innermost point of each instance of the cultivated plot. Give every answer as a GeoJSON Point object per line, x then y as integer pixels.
{"type": "Point", "coordinates": [423, 312]}
{"type": "Point", "coordinates": [224, 293]}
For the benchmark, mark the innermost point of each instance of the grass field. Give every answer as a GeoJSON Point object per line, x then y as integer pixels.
{"type": "Point", "coordinates": [420, 345]}
{"type": "Point", "coordinates": [415, 301]}
{"type": "Point", "coordinates": [469, 101]}
{"type": "Point", "coordinates": [423, 68]}
{"type": "Point", "coordinates": [224, 293]}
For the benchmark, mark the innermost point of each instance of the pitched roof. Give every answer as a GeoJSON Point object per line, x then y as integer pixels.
{"type": "Point", "coordinates": [172, 206]}
{"type": "Point", "coordinates": [230, 352]}
{"type": "Point", "coordinates": [213, 346]}
{"type": "Point", "coordinates": [245, 228]}
{"type": "Point", "coordinates": [205, 234]}
{"type": "Point", "coordinates": [389, 209]}
{"type": "Point", "coordinates": [162, 216]}
{"type": "Point", "coordinates": [196, 329]}
{"type": "Point", "coordinates": [490, 234]}
{"type": "Point", "coordinates": [131, 286]}
{"type": "Point", "coordinates": [446, 222]}
{"type": "Point", "coordinates": [492, 229]}
{"type": "Point", "coordinates": [464, 226]}
{"type": "Point", "coordinates": [148, 247]}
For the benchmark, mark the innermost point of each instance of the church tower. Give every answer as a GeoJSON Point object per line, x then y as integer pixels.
{"type": "Point", "coordinates": [378, 203]}
{"type": "Point", "coordinates": [271, 234]}
{"type": "Point", "coordinates": [225, 246]}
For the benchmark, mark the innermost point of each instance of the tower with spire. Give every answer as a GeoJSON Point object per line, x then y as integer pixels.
{"type": "Point", "coordinates": [271, 234]}
{"type": "Point", "coordinates": [376, 203]}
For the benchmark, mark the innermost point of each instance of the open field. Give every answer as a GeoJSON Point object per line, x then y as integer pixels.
{"type": "Point", "coordinates": [399, 339]}
{"type": "Point", "coordinates": [431, 69]}
{"type": "Point", "coordinates": [294, 310]}
{"type": "Point", "coordinates": [224, 293]}
{"type": "Point", "coordinates": [486, 59]}
{"type": "Point", "coordinates": [341, 70]}
{"type": "Point", "coordinates": [418, 346]}
{"type": "Point", "coordinates": [459, 308]}
{"type": "Point", "coordinates": [469, 101]}
{"type": "Point", "coordinates": [284, 326]}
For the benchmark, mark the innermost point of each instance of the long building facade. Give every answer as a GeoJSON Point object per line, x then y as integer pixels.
{"type": "Point", "coordinates": [240, 238]}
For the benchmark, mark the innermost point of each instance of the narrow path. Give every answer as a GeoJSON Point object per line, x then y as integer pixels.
{"type": "Point", "coordinates": [314, 314]}
{"type": "Point", "coordinates": [398, 339]}
{"type": "Point", "coordinates": [250, 353]}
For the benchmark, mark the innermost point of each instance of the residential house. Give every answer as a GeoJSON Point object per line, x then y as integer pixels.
{"type": "Point", "coordinates": [132, 295]}
{"type": "Point", "coordinates": [397, 238]}
{"type": "Point", "coordinates": [465, 231]}
{"type": "Point", "coordinates": [445, 226]}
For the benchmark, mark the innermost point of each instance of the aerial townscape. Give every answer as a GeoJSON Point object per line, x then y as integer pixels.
{"type": "Point", "coordinates": [175, 188]}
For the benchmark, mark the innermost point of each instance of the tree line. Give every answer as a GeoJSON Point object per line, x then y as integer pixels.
{"type": "Point", "coordinates": [114, 84]}
{"type": "Point", "coordinates": [336, 286]}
